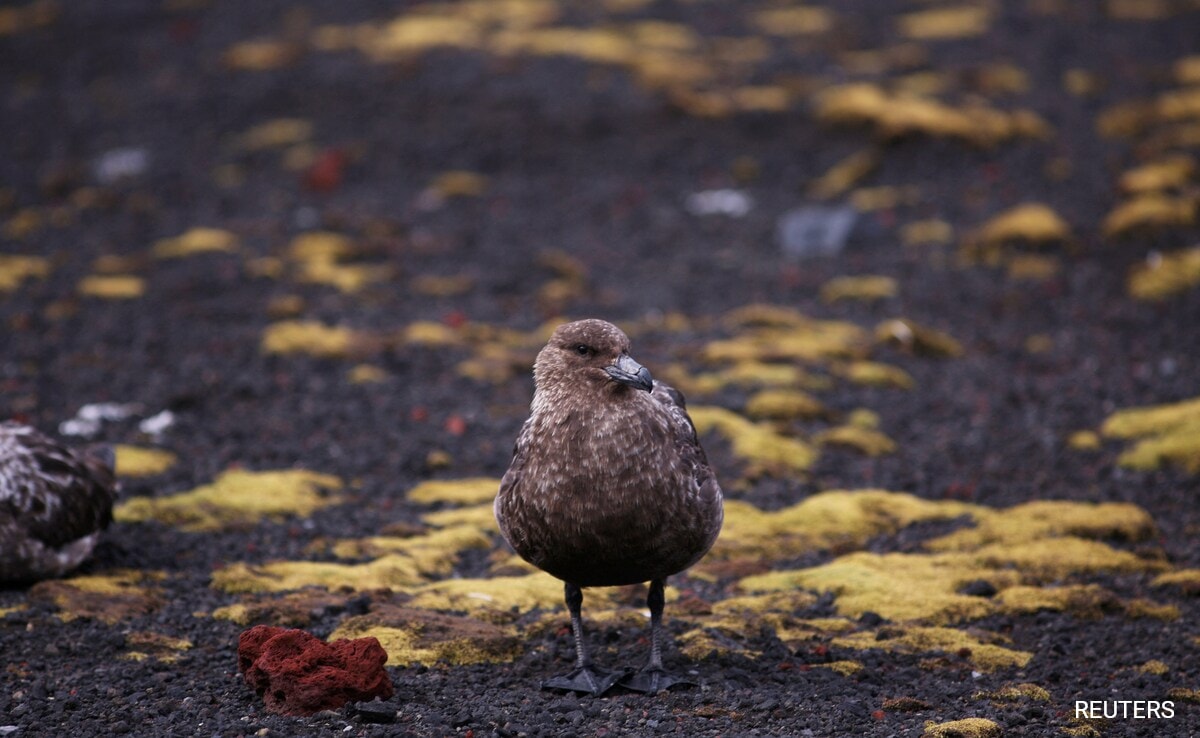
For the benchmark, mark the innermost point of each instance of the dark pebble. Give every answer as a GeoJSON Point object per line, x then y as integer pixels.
{"type": "Point", "coordinates": [979, 588]}
{"type": "Point", "coordinates": [375, 711]}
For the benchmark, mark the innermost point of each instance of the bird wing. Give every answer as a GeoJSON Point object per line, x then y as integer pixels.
{"type": "Point", "coordinates": [53, 493]}
{"type": "Point", "coordinates": [687, 443]}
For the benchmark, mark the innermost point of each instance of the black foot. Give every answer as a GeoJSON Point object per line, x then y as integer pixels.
{"type": "Point", "coordinates": [586, 679]}
{"type": "Point", "coordinates": [652, 681]}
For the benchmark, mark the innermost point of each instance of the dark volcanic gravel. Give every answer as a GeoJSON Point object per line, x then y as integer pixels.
{"type": "Point", "coordinates": [583, 160]}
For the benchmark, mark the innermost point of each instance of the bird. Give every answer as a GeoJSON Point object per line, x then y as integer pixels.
{"type": "Point", "coordinates": [54, 503]}
{"type": "Point", "coordinates": [608, 486]}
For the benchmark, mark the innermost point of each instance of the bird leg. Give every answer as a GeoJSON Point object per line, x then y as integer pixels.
{"type": "Point", "coordinates": [584, 677]}
{"type": "Point", "coordinates": [653, 678]}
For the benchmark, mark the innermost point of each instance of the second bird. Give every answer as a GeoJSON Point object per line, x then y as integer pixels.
{"type": "Point", "coordinates": [608, 486]}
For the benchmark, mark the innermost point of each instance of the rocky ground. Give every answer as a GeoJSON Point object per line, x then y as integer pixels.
{"type": "Point", "coordinates": [308, 250]}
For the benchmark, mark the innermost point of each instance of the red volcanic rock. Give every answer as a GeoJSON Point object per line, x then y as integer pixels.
{"type": "Point", "coordinates": [297, 673]}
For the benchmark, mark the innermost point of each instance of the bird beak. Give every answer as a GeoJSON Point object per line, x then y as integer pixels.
{"type": "Point", "coordinates": [627, 371]}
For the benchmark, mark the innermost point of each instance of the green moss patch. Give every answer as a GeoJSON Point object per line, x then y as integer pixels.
{"type": "Point", "coordinates": [111, 597]}
{"type": "Point", "coordinates": [237, 498]}
{"type": "Point", "coordinates": [416, 636]}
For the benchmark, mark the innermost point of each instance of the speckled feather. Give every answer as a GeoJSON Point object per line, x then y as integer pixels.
{"type": "Point", "coordinates": [608, 484]}
{"type": "Point", "coordinates": [53, 504]}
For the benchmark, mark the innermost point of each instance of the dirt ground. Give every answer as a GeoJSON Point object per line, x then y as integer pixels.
{"type": "Point", "coordinates": [289, 237]}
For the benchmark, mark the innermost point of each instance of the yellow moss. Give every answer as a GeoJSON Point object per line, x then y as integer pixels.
{"type": "Point", "coordinates": [429, 333]}
{"type": "Point", "coordinates": [1018, 546]}
{"type": "Point", "coordinates": [161, 647]}
{"type": "Point", "coordinates": [830, 519]}
{"type": "Point", "coordinates": [195, 241]}
{"type": "Point", "coordinates": [806, 340]}
{"type": "Point", "coordinates": [1153, 666]}
{"type": "Point", "coordinates": [1016, 693]}
{"type": "Point", "coordinates": [457, 491]}
{"type": "Point", "coordinates": [1143, 608]}
{"type": "Point", "coordinates": [320, 246]}
{"type": "Point", "coordinates": [1152, 420]}
{"type": "Point", "coordinates": [876, 374]}
{"type": "Point", "coordinates": [1185, 695]}
{"type": "Point", "coordinates": [1146, 210]}
{"type": "Point", "coordinates": [110, 597]}
{"type": "Point", "coordinates": [135, 461]}
{"type": "Point", "coordinates": [927, 231]}
{"type": "Point", "coordinates": [1047, 520]}
{"type": "Point", "coordinates": [267, 267]}
{"type": "Point", "coordinates": [960, 21]}
{"type": "Point", "coordinates": [764, 450]}
{"type": "Point", "coordinates": [1170, 172]}
{"type": "Point", "coordinates": [867, 287]}
{"type": "Point", "coordinates": [1054, 558]}
{"type": "Point", "coordinates": [899, 114]}
{"type": "Point", "coordinates": [605, 46]}
{"type": "Point", "coordinates": [1032, 267]}
{"type": "Point", "coordinates": [16, 268]}
{"type": "Point", "coordinates": [276, 133]}
{"type": "Point", "coordinates": [439, 286]}
{"type": "Point", "coordinates": [236, 498]}
{"type": "Point", "coordinates": [1137, 423]}
{"type": "Point", "coordinates": [261, 54]}
{"type": "Point", "coordinates": [308, 337]}
{"type": "Point", "coordinates": [921, 639]}
{"type": "Point", "coordinates": [395, 571]}
{"type": "Point", "coordinates": [367, 374]}
{"type": "Point", "coordinates": [239, 613]}
{"type": "Point", "coordinates": [966, 728]}
{"type": "Point", "coordinates": [24, 223]}
{"type": "Point", "coordinates": [1083, 728]}
{"type": "Point", "coordinates": [917, 338]}
{"type": "Point", "coordinates": [412, 636]}
{"type": "Point", "coordinates": [498, 598]}
{"type": "Point", "coordinates": [1084, 440]}
{"type": "Point", "coordinates": [793, 21]}
{"type": "Point", "coordinates": [479, 516]}
{"type": "Point", "coordinates": [845, 668]}
{"type": "Point", "coordinates": [294, 609]}
{"type": "Point", "coordinates": [841, 177]}
{"type": "Point", "coordinates": [432, 551]}
{"type": "Point", "coordinates": [112, 286]}
{"type": "Point", "coordinates": [1186, 579]}
{"type": "Point", "coordinates": [783, 404]}
{"type": "Point", "coordinates": [868, 441]}
{"type": "Point", "coordinates": [1169, 434]}
{"type": "Point", "coordinates": [1181, 446]}
{"type": "Point", "coordinates": [1163, 275]}
{"type": "Point", "coordinates": [746, 374]}
{"type": "Point", "coordinates": [896, 586]}
{"type": "Point", "coordinates": [348, 278]}
{"type": "Point", "coordinates": [703, 643]}
{"type": "Point", "coordinates": [781, 601]}
{"type": "Point", "coordinates": [1027, 222]}
{"type": "Point", "coordinates": [1083, 600]}
{"type": "Point", "coordinates": [885, 197]}
{"type": "Point", "coordinates": [318, 256]}
{"type": "Point", "coordinates": [459, 184]}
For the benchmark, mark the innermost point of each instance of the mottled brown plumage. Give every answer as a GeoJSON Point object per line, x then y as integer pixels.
{"type": "Point", "coordinates": [53, 503]}
{"type": "Point", "coordinates": [608, 483]}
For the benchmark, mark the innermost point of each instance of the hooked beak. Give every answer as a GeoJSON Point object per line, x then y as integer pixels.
{"type": "Point", "coordinates": [629, 372]}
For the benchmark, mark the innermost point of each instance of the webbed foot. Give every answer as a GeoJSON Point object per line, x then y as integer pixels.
{"type": "Point", "coordinates": [586, 679]}
{"type": "Point", "coordinates": [652, 681]}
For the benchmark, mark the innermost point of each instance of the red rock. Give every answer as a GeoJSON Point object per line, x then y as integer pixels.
{"type": "Point", "coordinates": [297, 673]}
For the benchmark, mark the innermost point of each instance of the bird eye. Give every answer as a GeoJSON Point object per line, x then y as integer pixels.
{"type": "Point", "coordinates": [583, 350]}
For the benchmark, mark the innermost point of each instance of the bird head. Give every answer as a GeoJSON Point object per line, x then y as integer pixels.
{"type": "Point", "coordinates": [592, 352]}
